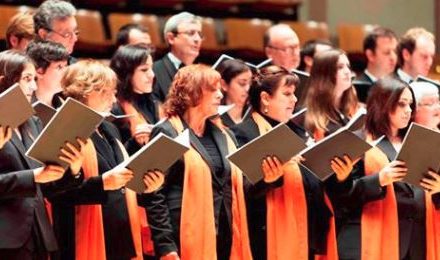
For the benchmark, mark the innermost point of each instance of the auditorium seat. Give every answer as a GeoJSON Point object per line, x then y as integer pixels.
{"type": "Point", "coordinates": [309, 30]}
{"type": "Point", "coordinates": [351, 36]}
{"type": "Point", "coordinates": [7, 12]}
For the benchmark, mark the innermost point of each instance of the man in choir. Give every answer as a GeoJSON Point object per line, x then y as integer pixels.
{"type": "Point", "coordinates": [133, 33]}
{"type": "Point", "coordinates": [415, 51]}
{"type": "Point", "coordinates": [20, 31]}
{"type": "Point", "coordinates": [281, 44]}
{"type": "Point", "coordinates": [380, 48]}
{"type": "Point", "coordinates": [54, 20]}
{"type": "Point", "coordinates": [183, 35]}
{"type": "Point", "coordinates": [309, 50]}
{"type": "Point", "coordinates": [50, 60]}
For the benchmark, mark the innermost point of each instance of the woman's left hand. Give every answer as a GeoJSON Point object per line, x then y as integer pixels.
{"type": "Point", "coordinates": [5, 135]}
{"type": "Point", "coordinates": [153, 180]}
{"type": "Point", "coordinates": [272, 169]}
{"type": "Point", "coordinates": [73, 156]}
{"type": "Point", "coordinates": [342, 167]}
{"type": "Point", "coordinates": [431, 184]}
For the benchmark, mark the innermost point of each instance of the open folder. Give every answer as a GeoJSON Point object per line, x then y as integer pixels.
{"type": "Point", "coordinates": [420, 151]}
{"type": "Point", "coordinates": [44, 112]}
{"type": "Point", "coordinates": [15, 108]}
{"type": "Point", "coordinates": [279, 141]}
{"type": "Point", "coordinates": [342, 142]}
{"type": "Point", "coordinates": [160, 153]}
{"type": "Point", "coordinates": [73, 119]}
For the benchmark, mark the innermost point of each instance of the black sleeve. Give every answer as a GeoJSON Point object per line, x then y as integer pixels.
{"type": "Point", "coordinates": [17, 184]}
{"type": "Point", "coordinates": [436, 200]}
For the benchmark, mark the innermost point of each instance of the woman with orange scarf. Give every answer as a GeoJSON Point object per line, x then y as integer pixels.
{"type": "Point", "coordinates": [133, 64]}
{"type": "Point", "coordinates": [294, 219]}
{"type": "Point", "coordinates": [379, 216]}
{"type": "Point", "coordinates": [100, 219]}
{"type": "Point", "coordinates": [201, 212]}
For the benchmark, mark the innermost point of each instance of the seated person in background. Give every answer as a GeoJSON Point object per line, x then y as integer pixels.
{"type": "Point", "coordinates": [133, 33]}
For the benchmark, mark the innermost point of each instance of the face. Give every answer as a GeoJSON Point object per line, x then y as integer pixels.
{"type": "Point", "coordinates": [284, 49]}
{"type": "Point", "coordinates": [237, 91]}
{"type": "Point", "coordinates": [27, 80]}
{"type": "Point", "coordinates": [281, 104]}
{"type": "Point", "coordinates": [343, 75]}
{"type": "Point", "coordinates": [136, 36]}
{"type": "Point", "coordinates": [186, 42]}
{"type": "Point", "coordinates": [420, 61]}
{"type": "Point", "coordinates": [428, 111]}
{"type": "Point", "coordinates": [210, 100]}
{"type": "Point", "coordinates": [50, 79]}
{"type": "Point", "coordinates": [399, 118]}
{"type": "Point", "coordinates": [142, 80]}
{"type": "Point", "coordinates": [384, 58]}
{"type": "Point", "coordinates": [101, 100]}
{"type": "Point", "coordinates": [63, 31]}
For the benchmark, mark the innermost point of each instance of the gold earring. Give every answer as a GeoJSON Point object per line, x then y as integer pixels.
{"type": "Point", "coordinates": [266, 110]}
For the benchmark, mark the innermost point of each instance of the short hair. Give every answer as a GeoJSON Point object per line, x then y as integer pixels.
{"type": "Point", "coordinates": [85, 76]}
{"type": "Point", "coordinates": [409, 40]}
{"type": "Point", "coordinates": [370, 41]}
{"type": "Point", "coordinates": [123, 35]}
{"type": "Point", "coordinates": [269, 79]}
{"type": "Point", "coordinates": [186, 88]}
{"type": "Point", "coordinates": [309, 49]}
{"type": "Point", "coordinates": [21, 26]}
{"type": "Point", "coordinates": [174, 21]}
{"type": "Point", "coordinates": [43, 53]}
{"type": "Point", "coordinates": [229, 69]}
{"type": "Point", "coordinates": [383, 100]}
{"type": "Point", "coordinates": [51, 10]}
{"type": "Point", "coordinates": [423, 89]}
{"type": "Point", "coordinates": [12, 64]}
{"type": "Point", "coordinates": [124, 63]}
{"type": "Point", "coordinates": [267, 34]}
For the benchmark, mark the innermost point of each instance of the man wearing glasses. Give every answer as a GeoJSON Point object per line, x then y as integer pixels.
{"type": "Point", "coordinates": [183, 35]}
{"type": "Point", "coordinates": [281, 44]}
{"type": "Point", "coordinates": [55, 21]}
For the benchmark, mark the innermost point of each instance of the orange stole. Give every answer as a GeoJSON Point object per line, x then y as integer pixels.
{"type": "Point", "coordinates": [379, 222]}
{"type": "Point", "coordinates": [197, 227]}
{"type": "Point", "coordinates": [89, 233]}
{"type": "Point", "coordinates": [432, 230]}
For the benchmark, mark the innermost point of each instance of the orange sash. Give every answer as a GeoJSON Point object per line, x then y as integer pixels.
{"type": "Point", "coordinates": [432, 230]}
{"type": "Point", "coordinates": [197, 225]}
{"type": "Point", "coordinates": [89, 233]}
{"type": "Point", "coordinates": [379, 223]}
{"type": "Point", "coordinates": [287, 236]}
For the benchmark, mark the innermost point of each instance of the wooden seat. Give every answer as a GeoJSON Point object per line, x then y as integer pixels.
{"type": "Point", "coordinates": [351, 36]}
{"type": "Point", "coordinates": [92, 33]}
{"type": "Point", "coordinates": [7, 12]}
{"type": "Point", "coordinates": [151, 22]}
{"type": "Point", "coordinates": [210, 41]}
{"type": "Point", "coordinates": [245, 33]}
{"type": "Point", "coordinates": [309, 30]}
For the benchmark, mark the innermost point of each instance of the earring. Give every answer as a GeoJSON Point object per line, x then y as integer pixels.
{"type": "Point", "coordinates": [265, 110]}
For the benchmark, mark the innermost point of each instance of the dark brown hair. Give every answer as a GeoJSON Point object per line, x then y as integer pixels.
{"type": "Point", "coordinates": [12, 64]}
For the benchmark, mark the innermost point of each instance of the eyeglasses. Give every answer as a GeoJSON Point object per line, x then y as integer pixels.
{"type": "Point", "coordinates": [291, 48]}
{"type": "Point", "coordinates": [67, 35]}
{"type": "Point", "coordinates": [192, 33]}
{"type": "Point", "coordinates": [430, 104]}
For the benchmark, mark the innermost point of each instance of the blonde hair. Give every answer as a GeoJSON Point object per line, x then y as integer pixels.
{"type": "Point", "coordinates": [85, 76]}
{"type": "Point", "coordinates": [21, 26]}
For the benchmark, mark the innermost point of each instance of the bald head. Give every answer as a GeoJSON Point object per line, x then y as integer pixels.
{"type": "Point", "coordinates": [281, 44]}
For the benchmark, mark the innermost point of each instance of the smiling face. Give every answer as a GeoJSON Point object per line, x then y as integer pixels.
{"type": "Point", "coordinates": [280, 105]}
{"type": "Point", "coordinates": [400, 117]}
{"type": "Point", "coordinates": [142, 80]}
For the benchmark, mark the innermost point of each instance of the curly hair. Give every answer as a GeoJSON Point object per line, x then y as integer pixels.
{"type": "Point", "coordinates": [85, 76]}
{"type": "Point", "coordinates": [186, 88]}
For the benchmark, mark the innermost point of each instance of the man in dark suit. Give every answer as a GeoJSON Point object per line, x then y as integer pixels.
{"type": "Point", "coordinates": [281, 44]}
{"type": "Point", "coordinates": [380, 50]}
{"type": "Point", "coordinates": [416, 50]}
{"type": "Point", "coordinates": [183, 34]}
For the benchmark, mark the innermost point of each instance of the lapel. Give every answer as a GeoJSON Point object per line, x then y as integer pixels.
{"type": "Point", "coordinates": [169, 67]}
{"type": "Point", "coordinates": [18, 143]}
{"type": "Point", "coordinates": [386, 147]}
{"type": "Point", "coordinates": [222, 144]}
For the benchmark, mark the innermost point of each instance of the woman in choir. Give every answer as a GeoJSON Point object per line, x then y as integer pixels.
{"type": "Point", "coordinates": [201, 212]}
{"type": "Point", "coordinates": [331, 99]}
{"type": "Point", "coordinates": [133, 64]}
{"type": "Point", "coordinates": [25, 231]}
{"type": "Point", "coordinates": [298, 219]}
{"type": "Point", "coordinates": [100, 219]}
{"type": "Point", "coordinates": [379, 216]}
{"type": "Point", "coordinates": [236, 81]}
{"type": "Point", "coordinates": [427, 102]}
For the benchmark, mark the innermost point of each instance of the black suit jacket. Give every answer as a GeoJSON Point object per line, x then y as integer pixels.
{"type": "Point", "coordinates": [362, 90]}
{"type": "Point", "coordinates": [164, 72]}
{"type": "Point", "coordinates": [164, 207]}
{"type": "Point", "coordinates": [21, 199]}
{"type": "Point", "coordinates": [318, 214]}
{"type": "Point", "coordinates": [350, 196]}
